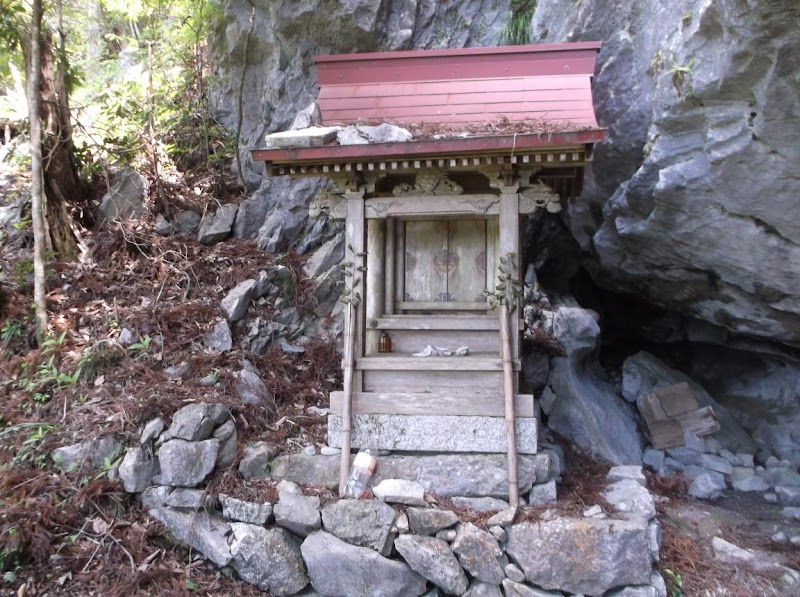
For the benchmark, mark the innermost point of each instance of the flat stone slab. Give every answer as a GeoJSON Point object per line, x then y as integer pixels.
{"type": "Point", "coordinates": [442, 474]}
{"type": "Point", "coordinates": [412, 433]}
{"type": "Point", "coordinates": [313, 136]}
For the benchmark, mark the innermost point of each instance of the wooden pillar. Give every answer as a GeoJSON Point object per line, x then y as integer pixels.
{"type": "Point", "coordinates": [509, 244]}
{"type": "Point", "coordinates": [374, 299]}
{"type": "Point", "coordinates": [389, 267]}
{"type": "Point", "coordinates": [353, 346]}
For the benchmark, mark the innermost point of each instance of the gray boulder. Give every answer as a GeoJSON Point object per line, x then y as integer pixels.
{"type": "Point", "coordinates": [255, 463]}
{"type": "Point", "coordinates": [192, 499]}
{"type": "Point", "coordinates": [228, 438]}
{"type": "Point", "coordinates": [307, 470]}
{"type": "Point", "coordinates": [217, 226]}
{"type": "Point", "coordinates": [243, 511]}
{"type": "Point", "coordinates": [250, 388]}
{"type": "Point", "coordinates": [479, 504]}
{"type": "Point", "coordinates": [152, 430]}
{"type": "Point", "coordinates": [479, 553]}
{"type": "Point", "coordinates": [126, 198]}
{"type": "Point", "coordinates": [156, 496]}
{"type": "Point", "coordinates": [137, 469]}
{"type": "Point", "coordinates": [204, 531]}
{"type": "Point", "coordinates": [99, 453]}
{"type": "Point", "coordinates": [187, 464]}
{"type": "Point", "coordinates": [434, 560]}
{"type": "Point", "coordinates": [707, 486]}
{"type": "Point", "coordinates": [400, 491]}
{"type": "Point", "coordinates": [235, 303]}
{"type": "Point", "coordinates": [186, 222]}
{"type": "Point", "coordinates": [338, 569]}
{"type": "Point", "coordinates": [478, 588]}
{"type": "Point", "coordinates": [296, 512]}
{"type": "Point", "coordinates": [161, 226]}
{"type": "Point", "coordinates": [586, 556]}
{"type": "Point", "coordinates": [269, 559]}
{"type": "Point", "coordinates": [630, 499]}
{"type": "Point", "coordinates": [517, 589]}
{"type": "Point", "coordinates": [219, 338]}
{"type": "Point", "coordinates": [367, 523]}
{"type": "Point", "coordinates": [428, 521]}
{"type": "Point", "coordinates": [196, 422]}
{"type": "Point", "coordinates": [587, 409]}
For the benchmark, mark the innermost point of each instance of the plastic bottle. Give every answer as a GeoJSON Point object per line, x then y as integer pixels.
{"type": "Point", "coordinates": [363, 467]}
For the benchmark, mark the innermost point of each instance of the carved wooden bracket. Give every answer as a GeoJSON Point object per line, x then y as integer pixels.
{"type": "Point", "coordinates": [429, 181]}
{"type": "Point", "coordinates": [333, 204]}
{"type": "Point", "coordinates": [538, 196]}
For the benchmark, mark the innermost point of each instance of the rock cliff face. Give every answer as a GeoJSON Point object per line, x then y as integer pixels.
{"type": "Point", "coordinates": [693, 202]}
{"type": "Point", "coordinates": [269, 59]}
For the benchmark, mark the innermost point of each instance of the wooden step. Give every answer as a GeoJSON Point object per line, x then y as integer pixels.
{"type": "Point", "coordinates": [441, 322]}
{"type": "Point", "coordinates": [398, 403]}
{"type": "Point", "coordinates": [403, 362]}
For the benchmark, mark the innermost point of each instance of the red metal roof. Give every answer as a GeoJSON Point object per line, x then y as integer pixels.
{"type": "Point", "coordinates": [452, 88]}
{"type": "Point", "coordinates": [549, 84]}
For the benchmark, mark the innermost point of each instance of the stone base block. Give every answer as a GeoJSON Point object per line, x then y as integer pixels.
{"type": "Point", "coordinates": [411, 433]}
{"type": "Point", "coordinates": [472, 475]}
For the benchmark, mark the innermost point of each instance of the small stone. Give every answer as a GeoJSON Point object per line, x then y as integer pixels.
{"type": "Point", "coordinates": [126, 337]}
{"type": "Point", "coordinates": [235, 303]}
{"type": "Point", "coordinates": [155, 497]}
{"type": "Point", "coordinates": [716, 463]}
{"type": "Point", "coordinates": [255, 463]}
{"type": "Point", "coordinates": [137, 470]}
{"type": "Point", "coordinates": [672, 465]}
{"type": "Point", "coordinates": [515, 589]}
{"type": "Point", "coordinates": [771, 498]}
{"type": "Point", "coordinates": [545, 493]}
{"type": "Point", "coordinates": [400, 491]}
{"type": "Point", "coordinates": [788, 495]}
{"type": "Point", "coordinates": [219, 338]}
{"type": "Point", "coordinates": [750, 484]}
{"type": "Point", "coordinates": [630, 499]}
{"type": "Point", "coordinates": [291, 348]}
{"type": "Point", "coordinates": [627, 472]}
{"type": "Point", "coordinates": [217, 226]}
{"type": "Point", "coordinates": [708, 486]}
{"type": "Point", "coordinates": [327, 451]}
{"type": "Point", "coordinates": [309, 450]}
{"type": "Point", "coordinates": [433, 559]}
{"type": "Point", "coordinates": [514, 573]}
{"type": "Point", "coordinates": [152, 430]}
{"type": "Point", "coordinates": [196, 422]}
{"type": "Point", "coordinates": [795, 540]}
{"type": "Point", "coordinates": [368, 523]}
{"type": "Point", "coordinates": [177, 371]}
{"type": "Point", "coordinates": [429, 521]}
{"type": "Point", "coordinates": [478, 588]}
{"type": "Point", "coordinates": [503, 518]}
{"type": "Point", "coordinates": [448, 535]}
{"type": "Point", "coordinates": [745, 459]}
{"type": "Point", "coordinates": [691, 441]}
{"type": "Point", "coordinates": [186, 222]}
{"type": "Point", "coordinates": [162, 227]}
{"type": "Point", "coordinates": [242, 511]}
{"type": "Point", "coordinates": [185, 463]}
{"type": "Point", "coordinates": [791, 512]}
{"type": "Point", "coordinates": [401, 524]}
{"type": "Point", "coordinates": [314, 136]}
{"type": "Point", "coordinates": [250, 388]}
{"type": "Point", "coordinates": [685, 456]}
{"type": "Point", "coordinates": [187, 498]}
{"type": "Point", "coordinates": [593, 511]}
{"type": "Point", "coordinates": [480, 504]}
{"type": "Point", "coordinates": [730, 553]}
{"type": "Point", "coordinates": [268, 558]}
{"type": "Point", "coordinates": [479, 553]}
{"type": "Point", "coordinates": [206, 532]}
{"type": "Point", "coordinates": [498, 533]}
{"type": "Point", "coordinates": [713, 445]}
{"type": "Point", "coordinates": [655, 459]}
{"type": "Point", "coordinates": [779, 537]}
{"type": "Point", "coordinates": [654, 539]}
{"type": "Point", "coordinates": [297, 513]}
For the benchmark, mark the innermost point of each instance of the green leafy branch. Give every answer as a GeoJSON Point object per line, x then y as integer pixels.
{"type": "Point", "coordinates": [509, 288]}
{"type": "Point", "coordinates": [351, 296]}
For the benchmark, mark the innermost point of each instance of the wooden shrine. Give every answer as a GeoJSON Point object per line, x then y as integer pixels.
{"type": "Point", "coordinates": [433, 226]}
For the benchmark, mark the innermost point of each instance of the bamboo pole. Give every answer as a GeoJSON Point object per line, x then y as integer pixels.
{"type": "Point", "coordinates": [347, 399]}
{"type": "Point", "coordinates": [510, 416]}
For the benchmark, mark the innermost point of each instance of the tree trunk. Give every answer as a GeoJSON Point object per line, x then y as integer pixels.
{"type": "Point", "coordinates": [61, 180]}
{"type": "Point", "coordinates": [37, 191]}
{"type": "Point", "coordinates": [59, 166]}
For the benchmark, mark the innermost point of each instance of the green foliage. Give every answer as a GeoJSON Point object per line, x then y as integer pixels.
{"type": "Point", "coordinates": [141, 347]}
{"type": "Point", "coordinates": [12, 24]}
{"type": "Point", "coordinates": [31, 449]}
{"type": "Point", "coordinates": [349, 296]}
{"type": "Point", "coordinates": [674, 582]}
{"type": "Point", "coordinates": [517, 30]}
{"type": "Point", "coordinates": [11, 331]}
{"type": "Point", "coordinates": [680, 73]}
{"type": "Point", "coordinates": [509, 288]}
